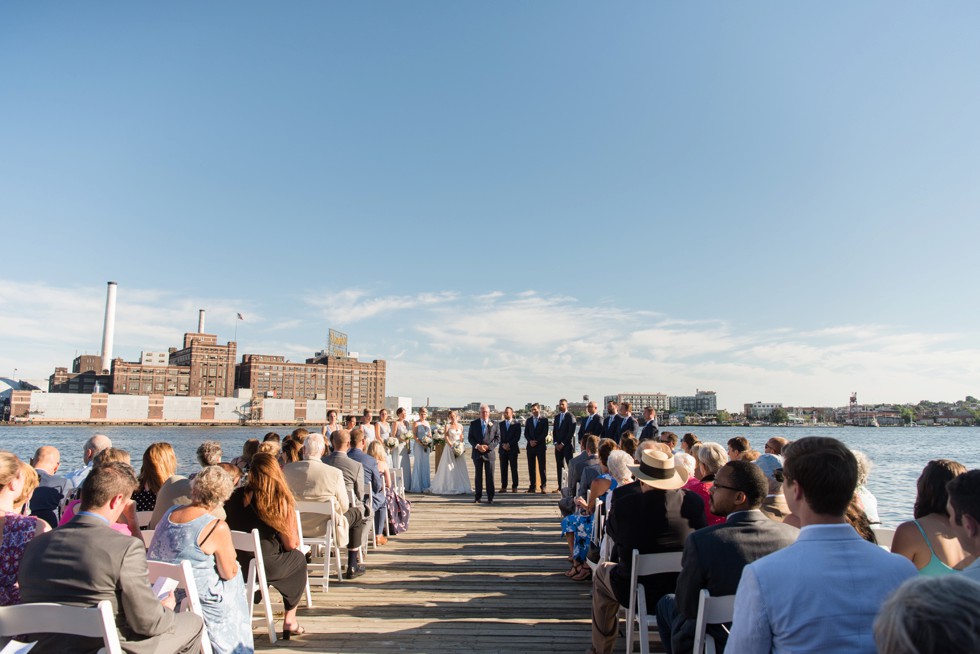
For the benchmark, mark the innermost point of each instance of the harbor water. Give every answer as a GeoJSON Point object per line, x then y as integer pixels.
{"type": "Point", "coordinates": [898, 454]}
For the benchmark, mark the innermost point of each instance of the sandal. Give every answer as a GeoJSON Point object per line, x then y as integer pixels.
{"type": "Point", "coordinates": [584, 574]}
{"type": "Point", "coordinates": [574, 570]}
{"type": "Point", "coordinates": [287, 632]}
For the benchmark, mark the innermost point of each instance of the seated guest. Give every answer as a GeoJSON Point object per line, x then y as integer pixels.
{"type": "Point", "coordinates": [31, 481]}
{"type": "Point", "coordinates": [299, 435]}
{"type": "Point", "coordinates": [265, 503]}
{"type": "Point", "coordinates": [687, 442]}
{"type": "Point", "coordinates": [159, 465]}
{"type": "Point", "coordinates": [636, 486]}
{"type": "Point", "coordinates": [92, 446]}
{"type": "Point", "coordinates": [689, 463]}
{"type": "Point", "coordinates": [127, 524]}
{"type": "Point", "coordinates": [927, 541]}
{"type": "Point", "coordinates": [775, 445]}
{"type": "Point", "coordinates": [271, 437]}
{"type": "Point", "coordinates": [270, 447]}
{"type": "Point", "coordinates": [930, 616]}
{"type": "Point", "coordinates": [51, 488]}
{"type": "Point", "coordinates": [822, 593]}
{"type": "Point", "coordinates": [774, 506]}
{"type": "Point", "coordinates": [711, 457]}
{"type": "Point", "coordinates": [714, 557]}
{"type": "Point", "coordinates": [176, 491]}
{"type": "Point", "coordinates": [669, 438]}
{"type": "Point", "coordinates": [233, 471]}
{"type": "Point", "coordinates": [577, 528]}
{"type": "Point", "coordinates": [588, 457]}
{"type": "Point", "coordinates": [590, 473]}
{"type": "Point", "coordinates": [291, 452]}
{"type": "Point", "coordinates": [964, 516]}
{"type": "Point", "coordinates": [628, 444]}
{"type": "Point", "coordinates": [377, 451]}
{"type": "Point", "coordinates": [867, 501]}
{"type": "Point", "coordinates": [657, 520]}
{"type": "Point", "coordinates": [18, 530]}
{"type": "Point", "coordinates": [191, 533]}
{"type": "Point", "coordinates": [85, 562]}
{"type": "Point", "coordinates": [312, 480]}
{"type": "Point", "coordinates": [357, 513]}
{"type": "Point", "coordinates": [249, 449]}
{"type": "Point", "coordinates": [737, 447]}
{"type": "Point", "coordinates": [373, 481]}
{"type": "Point", "coordinates": [208, 454]}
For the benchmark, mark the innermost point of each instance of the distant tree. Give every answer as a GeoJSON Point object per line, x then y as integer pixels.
{"type": "Point", "coordinates": [778, 416]}
{"type": "Point", "coordinates": [908, 415]}
{"type": "Point", "coordinates": [723, 416]}
{"type": "Point", "coordinates": [971, 399]}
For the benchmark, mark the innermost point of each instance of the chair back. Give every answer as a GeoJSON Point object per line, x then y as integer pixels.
{"type": "Point", "coordinates": [143, 518]}
{"type": "Point", "coordinates": [147, 536]}
{"type": "Point", "coordinates": [95, 622]}
{"type": "Point", "coordinates": [256, 579]}
{"type": "Point", "coordinates": [184, 576]}
{"type": "Point", "coordinates": [711, 610]}
{"type": "Point", "coordinates": [642, 565]}
{"type": "Point", "coordinates": [884, 536]}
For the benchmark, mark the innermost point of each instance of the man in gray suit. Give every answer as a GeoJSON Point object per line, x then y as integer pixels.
{"type": "Point", "coordinates": [714, 556]}
{"type": "Point", "coordinates": [313, 480]}
{"type": "Point", "coordinates": [85, 562]}
{"type": "Point", "coordinates": [358, 512]}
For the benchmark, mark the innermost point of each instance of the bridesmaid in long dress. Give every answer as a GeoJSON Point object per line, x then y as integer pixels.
{"type": "Point", "coordinates": [420, 472]}
{"type": "Point", "coordinates": [400, 457]}
{"type": "Point", "coordinates": [383, 430]}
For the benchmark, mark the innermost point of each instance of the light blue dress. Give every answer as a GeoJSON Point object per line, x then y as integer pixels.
{"type": "Point", "coordinates": [420, 472]}
{"type": "Point", "coordinates": [400, 457]}
{"type": "Point", "coordinates": [223, 602]}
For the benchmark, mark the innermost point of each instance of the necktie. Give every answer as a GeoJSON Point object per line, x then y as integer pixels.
{"type": "Point", "coordinates": [507, 425]}
{"type": "Point", "coordinates": [559, 419]}
{"type": "Point", "coordinates": [484, 424]}
{"type": "Point", "coordinates": [535, 424]}
{"type": "Point", "coordinates": [587, 421]}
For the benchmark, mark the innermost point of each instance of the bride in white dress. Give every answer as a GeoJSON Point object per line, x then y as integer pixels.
{"type": "Point", "coordinates": [452, 476]}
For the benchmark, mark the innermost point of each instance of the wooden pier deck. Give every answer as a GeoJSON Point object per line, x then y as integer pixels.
{"type": "Point", "coordinates": [464, 578]}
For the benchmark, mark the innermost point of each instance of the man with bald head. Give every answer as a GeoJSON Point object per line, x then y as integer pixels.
{"type": "Point", "coordinates": [312, 480]}
{"type": "Point", "coordinates": [92, 447]}
{"type": "Point", "coordinates": [51, 487]}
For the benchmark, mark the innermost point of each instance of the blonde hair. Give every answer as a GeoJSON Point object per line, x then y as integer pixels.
{"type": "Point", "coordinates": [377, 450]}
{"type": "Point", "coordinates": [211, 487]}
{"type": "Point", "coordinates": [31, 482]}
{"type": "Point", "coordinates": [270, 496]}
{"type": "Point", "coordinates": [111, 455]}
{"type": "Point", "coordinates": [712, 457]}
{"type": "Point", "coordinates": [9, 467]}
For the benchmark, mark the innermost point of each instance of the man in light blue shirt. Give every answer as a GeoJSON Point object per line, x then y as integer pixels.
{"type": "Point", "coordinates": [92, 447]}
{"type": "Point", "coordinates": [822, 593]}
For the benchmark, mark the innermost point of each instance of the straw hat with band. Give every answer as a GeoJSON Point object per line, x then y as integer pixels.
{"type": "Point", "coordinates": [658, 470]}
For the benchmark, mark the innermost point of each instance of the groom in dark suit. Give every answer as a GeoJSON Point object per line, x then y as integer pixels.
{"type": "Point", "coordinates": [510, 439]}
{"type": "Point", "coordinates": [564, 433]}
{"type": "Point", "coordinates": [484, 436]}
{"type": "Point", "coordinates": [535, 431]}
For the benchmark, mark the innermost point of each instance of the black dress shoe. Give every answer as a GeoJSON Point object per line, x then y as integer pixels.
{"type": "Point", "coordinates": [502, 490]}
{"type": "Point", "coordinates": [489, 501]}
{"type": "Point", "coordinates": [354, 573]}
{"type": "Point", "coordinates": [476, 501]}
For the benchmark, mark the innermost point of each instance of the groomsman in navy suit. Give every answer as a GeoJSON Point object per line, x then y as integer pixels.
{"type": "Point", "coordinates": [592, 423]}
{"type": "Point", "coordinates": [510, 439]}
{"type": "Point", "coordinates": [564, 433]}
{"type": "Point", "coordinates": [626, 422]}
{"type": "Point", "coordinates": [610, 425]}
{"type": "Point", "coordinates": [535, 431]}
{"type": "Point", "coordinates": [650, 430]}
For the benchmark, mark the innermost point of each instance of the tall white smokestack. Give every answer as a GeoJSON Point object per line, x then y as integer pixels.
{"type": "Point", "coordinates": [200, 321]}
{"type": "Point", "coordinates": [109, 326]}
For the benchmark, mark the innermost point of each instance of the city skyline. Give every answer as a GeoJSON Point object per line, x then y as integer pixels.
{"type": "Point", "coordinates": [507, 203]}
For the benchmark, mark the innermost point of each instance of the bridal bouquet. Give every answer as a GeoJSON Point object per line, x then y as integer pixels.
{"type": "Point", "coordinates": [458, 449]}
{"type": "Point", "coordinates": [548, 440]}
{"type": "Point", "coordinates": [439, 435]}
{"type": "Point", "coordinates": [391, 443]}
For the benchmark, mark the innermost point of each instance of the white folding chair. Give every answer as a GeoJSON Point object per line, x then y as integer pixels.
{"type": "Point", "coordinates": [399, 481]}
{"type": "Point", "coordinates": [597, 525]}
{"type": "Point", "coordinates": [143, 518]}
{"type": "Point", "coordinates": [711, 610]}
{"type": "Point", "coordinates": [637, 615]}
{"type": "Point", "coordinates": [884, 536]}
{"type": "Point", "coordinates": [147, 536]}
{"type": "Point", "coordinates": [330, 547]}
{"type": "Point", "coordinates": [256, 579]}
{"type": "Point", "coordinates": [96, 622]}
{"type": "Point", "coordinates": [306, 550]}
{"type": "Point", "coordinates": [184, 575]}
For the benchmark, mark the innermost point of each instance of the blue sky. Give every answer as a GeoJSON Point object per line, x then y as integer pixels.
{"type": "Point", "coordinates": [509, 202]}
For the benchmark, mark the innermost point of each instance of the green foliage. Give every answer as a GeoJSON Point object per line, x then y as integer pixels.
{"type": "Point", "coordinates": [778, 416]}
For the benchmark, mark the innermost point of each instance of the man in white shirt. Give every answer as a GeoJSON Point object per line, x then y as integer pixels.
{"type": "Point", "coordinates": [92, 447]}
{"type": "Point", "coordinates": [822, 593]}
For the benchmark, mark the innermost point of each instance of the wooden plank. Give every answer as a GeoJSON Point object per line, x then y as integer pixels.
{"type": "Point", "coordinates": [463, 578]}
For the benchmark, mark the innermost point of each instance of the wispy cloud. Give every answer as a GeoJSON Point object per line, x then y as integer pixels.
{"type": "Point", "coordinates": [512, 348]}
